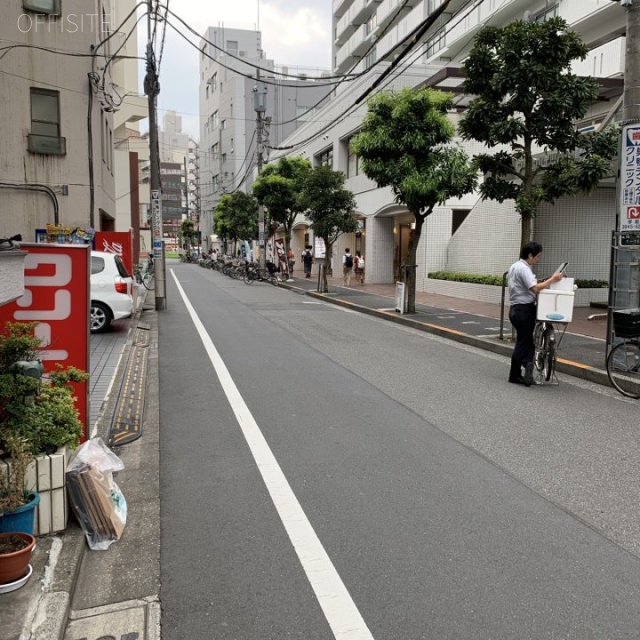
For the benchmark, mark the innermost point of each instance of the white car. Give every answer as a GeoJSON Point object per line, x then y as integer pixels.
{"type": "Point", "coordinates": [111, 291]}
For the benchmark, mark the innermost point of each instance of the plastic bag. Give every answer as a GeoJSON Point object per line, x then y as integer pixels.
{"type": "Point", "coordinates": [97, 501]}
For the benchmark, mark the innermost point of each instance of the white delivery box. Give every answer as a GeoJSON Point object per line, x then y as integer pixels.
{"type": "Point", "coordinates": [555, 306]}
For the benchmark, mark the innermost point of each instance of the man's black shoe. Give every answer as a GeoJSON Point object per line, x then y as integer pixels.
{"type": "Point", "coordinates": [528, 374]}
{"type": "Point", "coordinates": [518, 380]}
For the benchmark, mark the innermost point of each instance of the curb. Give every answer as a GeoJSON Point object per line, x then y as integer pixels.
{"type": "Point", "coordinates": [575, 369]}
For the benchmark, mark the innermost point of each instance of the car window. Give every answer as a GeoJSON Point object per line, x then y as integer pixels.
{"type": "Point", "coordinates": [122, 270]}
{"type": "Point", "coordinates": [97, 264]}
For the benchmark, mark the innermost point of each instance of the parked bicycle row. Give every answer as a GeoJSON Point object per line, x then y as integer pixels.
{"type": "Point", "coordinates": [248, 272]}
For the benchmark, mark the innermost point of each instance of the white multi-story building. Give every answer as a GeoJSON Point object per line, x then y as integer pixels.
{"type": "Point", "coordinates": [468, 234]}
{"type": "Point", "coordinates": [229, 64]}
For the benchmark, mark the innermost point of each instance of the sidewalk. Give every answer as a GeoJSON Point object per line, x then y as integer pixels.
{"type": "Point", "coordinates": [582, 350]}
{"type": "Point", "coordinates": [43, 609]}
{"type": "Point", "coordinates": [76, 594]}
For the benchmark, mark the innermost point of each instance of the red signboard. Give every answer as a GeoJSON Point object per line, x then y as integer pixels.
{"type": "Point", "coordinates": [56, 280]}
{"type": "Point", "coordinates": [118, 242]}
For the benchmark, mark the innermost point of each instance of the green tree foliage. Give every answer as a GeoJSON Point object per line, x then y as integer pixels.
{"type": "Point", "coordinates": [528, 99]}
{"type": "Point", "coordinates": [187, 234]}
{"type": "Point", "coordinates": [280, 188]}
{"type": "Point", "coordinates": [236, 217]}
{"type": "Point", "coordinates": [329, 207]}
{"type": "Point", "coordinates": [406, 144]}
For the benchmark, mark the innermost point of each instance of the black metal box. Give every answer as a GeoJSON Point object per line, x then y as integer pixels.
{"type": "Point", "coordinates": [626, 323]}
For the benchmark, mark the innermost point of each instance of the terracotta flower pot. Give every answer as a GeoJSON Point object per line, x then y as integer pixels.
{"type": "Point", "coordinates": [13, 565]}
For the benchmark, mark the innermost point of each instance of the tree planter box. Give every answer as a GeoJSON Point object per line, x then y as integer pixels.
{"type": "Point", "coordinates": [46, 475]}
{"type": "Point", "coordinates": [492, 293]}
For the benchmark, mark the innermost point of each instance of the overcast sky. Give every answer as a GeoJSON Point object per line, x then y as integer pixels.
{"type": "Point", "coordinates": [294, 33]}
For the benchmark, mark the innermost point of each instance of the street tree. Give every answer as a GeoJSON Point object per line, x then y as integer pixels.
{"type": "Point", "coordinates": [329, 208]}
{"type": "Point", "coordinates": [406, 144]}
{"type": "Point", "coordinates": [187, 234]}
{"type": "Point", "coordinates": [527, 100]}
{"type": "Point", "coordinates": [236, 218]}
{"type": "Point", "coordinates": [279, 188]}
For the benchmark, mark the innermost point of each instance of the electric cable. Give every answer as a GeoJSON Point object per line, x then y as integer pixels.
{"type": "Point", "coordinates": [249, 64]}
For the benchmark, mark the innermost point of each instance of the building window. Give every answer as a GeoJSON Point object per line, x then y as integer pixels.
{"type": "Point", "coordinates": [51, 7]}
{"type": "Point", "coordinates": [232, 45]}
{"type": "Point", "coordinates": [353, 162]}
{"type": "Point", "coordinates": [223, 124]}
{"type": "Point", "coordinates": [231, 145]}
{"type": "Point", "coordinates": [370, 60]}
{"type": "Point", "coordinates": [45, 123]}
{"type": "Point", "coordinates": [458, 216]}
{"type": "Point", "coordinates": [214, 120]}
{"type": "Point", "coordinates": [224, 158]}
{"type": "Point", "coordinates": [325, 159]}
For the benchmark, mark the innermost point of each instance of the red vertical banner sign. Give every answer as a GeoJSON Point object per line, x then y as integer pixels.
{"type": "Point", "coordinates": [118, 242]}
{"type": "Point", "coordinates": [56, 282]}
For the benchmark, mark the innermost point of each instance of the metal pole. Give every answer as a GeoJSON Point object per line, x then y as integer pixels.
{"type": "Point", "coordinates": [260, 106]}
{"type": "Point", "coordinates": [152, 89]}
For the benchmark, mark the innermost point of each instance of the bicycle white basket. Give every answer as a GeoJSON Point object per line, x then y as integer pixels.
{"type": "Point", "coordinates": [555, 306]}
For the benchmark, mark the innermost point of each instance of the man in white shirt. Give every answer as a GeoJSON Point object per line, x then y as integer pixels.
{"type": "Point", "coordinates": [523, 291]}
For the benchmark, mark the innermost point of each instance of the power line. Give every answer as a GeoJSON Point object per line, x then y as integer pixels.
{"type": "Point", "coordinates": [249, 64]}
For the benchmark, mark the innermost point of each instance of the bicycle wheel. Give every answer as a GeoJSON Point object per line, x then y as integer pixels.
{"type": "Point", "coordinates": [540, 343]}
{"type": "Point", "coordinates": [549, 364]}
{"type": "Point", "coordinates": [149, 281]}
{"type": "Point", "coordinates": [623, 368]}
{"type": "Point", "coordinates": [248, 277]}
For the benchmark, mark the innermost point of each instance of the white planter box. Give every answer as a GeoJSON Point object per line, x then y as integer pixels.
{"type": "Point", "coordinates": [492, 293]}
{"type": "Point", "coordinates": [46, 475]}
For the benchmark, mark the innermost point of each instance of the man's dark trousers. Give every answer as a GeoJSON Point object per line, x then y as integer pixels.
{"type": "Point", "coordinates": [523, 319]}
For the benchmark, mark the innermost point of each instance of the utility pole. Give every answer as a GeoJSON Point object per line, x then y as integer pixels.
{"type": "Point", "coordinates": [260, 107]}
{"type": "Point", "coordinates": [152, 89]}
{"type": "Point", "coordinates": [631, 99]}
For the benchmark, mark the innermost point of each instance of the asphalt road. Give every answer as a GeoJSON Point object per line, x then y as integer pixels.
{"type": "Point", "coordinates": [370, 481]}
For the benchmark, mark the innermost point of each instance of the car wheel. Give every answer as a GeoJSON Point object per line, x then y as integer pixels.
{"type": "Point", "coordinates": [101, 317]}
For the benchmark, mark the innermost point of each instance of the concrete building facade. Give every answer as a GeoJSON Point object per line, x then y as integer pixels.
{"type": "Point", "coordinates": [68, 118]}
{"type": "Point", "coordinates": [227, 157]}
{"type": "Point", "coordinates": [468, 234]}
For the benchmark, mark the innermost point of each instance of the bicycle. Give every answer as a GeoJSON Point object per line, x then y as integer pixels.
{"type": "Point", "coordinates": [545, 343]}
{"type": "Point", "coordinates": [623, 361]}
{"type": "Point", "coordinates": [145, 276]}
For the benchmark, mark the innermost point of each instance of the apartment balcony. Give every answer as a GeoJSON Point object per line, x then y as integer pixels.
{"type": "Point", "coordinates": [339, 7]}
{"type": "Point", "coordinates": [387, 10]}
{"type": "Point", "coordinates": [400, 31]}
{"type": "Point", "coordinates": [133, 109]}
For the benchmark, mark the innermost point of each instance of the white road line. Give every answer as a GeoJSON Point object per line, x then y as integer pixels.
{"type": "Point", "coordinates": [338, 607]}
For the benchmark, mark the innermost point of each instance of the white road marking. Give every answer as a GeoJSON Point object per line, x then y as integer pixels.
{"type": "Point", "coordinates": [336, 602]}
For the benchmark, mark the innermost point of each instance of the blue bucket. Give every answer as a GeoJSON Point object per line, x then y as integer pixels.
{"type": "Point", "coordinates": [22, 519]}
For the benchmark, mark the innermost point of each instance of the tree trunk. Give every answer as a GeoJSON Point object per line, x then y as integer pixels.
{"type": "Point", "coordinates": [526, 231]}
{"type": "Point", "coordinates": [411, 267]}
{"type": "Point", "coordinates": [324, 283]}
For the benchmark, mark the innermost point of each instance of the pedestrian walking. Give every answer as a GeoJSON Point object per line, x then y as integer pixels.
{"type": "Point", "coordinates": [347, 267]}
{"type": "Point", "coordinates": [523, 291]}
{"type": "Point", "coordinates": [307, 261]}
{"type": "Point", "coordinates": [359, 267]}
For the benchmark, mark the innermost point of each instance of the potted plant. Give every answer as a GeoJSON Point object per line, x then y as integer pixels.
{"type": "Point", "coordinates": [15, 554]}
{"type": "Point", "coordinates": [17, 501]}
{"type": "Point", "coordinates": [36, 416]}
